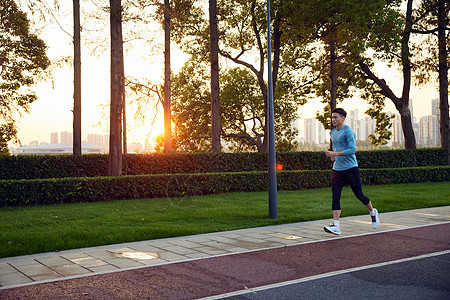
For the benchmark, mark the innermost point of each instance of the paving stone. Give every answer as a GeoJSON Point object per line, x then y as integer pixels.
{"type": "Point", "coordinates": [35, 270]}
{"type": "Point", "coordinates": [106, 253]}
{"type": "Point", "coordinates": [71, 270]}
{"type": "Point", "coordinates": [179, 250]}
{"type": "Point", "coordinates": [154, 261]}
{"type": "Point", "coordinates": [73, 254]}
{"type": "Point", "coordinates": [123, 263]}
{"type": "Point", "coordinates": [197, 255]}
{"type": "Point", "coordinates": [14, 278]}
{"type": "Point", "coordinates": [22, 261]}
{"type": "Point", "coordinates": [49, 276]}
{"type": "Point", "coordinates": [53, 261]}
{"type": "Point", "coordinates": [111, 251]}
{"type": "Point", "coordinates": [170, 256]}
{"type": "Point", "coordinates": [6, 268]}
{"type": "Point", "coordinates": [146, 248]}
{"type": "Point", "coordinates": [88, 262]}
{"type": "Point", "coordinates": [103, 268]}
{"type": "Point", "coordinates": [186, 243]}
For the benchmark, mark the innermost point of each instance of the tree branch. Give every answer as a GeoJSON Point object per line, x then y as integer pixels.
{"type": "Point", "coordinates": [385, 89]}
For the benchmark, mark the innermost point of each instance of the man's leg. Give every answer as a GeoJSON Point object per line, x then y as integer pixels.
{"type": "Point", "coordinates": [355, 184]}
{"type": "Point", "coordinates": [337, 184]}
{"type": "Point", "coordinates": [336, 214]}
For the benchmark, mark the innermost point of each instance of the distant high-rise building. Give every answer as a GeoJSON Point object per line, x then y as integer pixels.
{"type": "Point", "coordinates": [310, 131]}
{"type": "Point", "coordinates": [429, 131]}
{"type": "Point", "coordinates": [369, 127]}
{"type": "Point", "coordinates": [66, 138]}
{"type": "Point", "coordinates": [95, 139]}
{"type": "Point", "coordinates": [322, 134]}
{"type": "Point", "coordinates": [397, 130]}
{"type": "Point", "coordinates": [54, 138]}
{"type": "Point", "coordinates": [435, 107]}
{"type": "Point", "coordinates": [411, 107]}
{"type": "Point", "coordinates": [356, 124]}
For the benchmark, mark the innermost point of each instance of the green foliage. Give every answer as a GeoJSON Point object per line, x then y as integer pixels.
{"type": "Point", "coordinates": [242, 111]}
{"type": "Point", "coordinates": [191, 109]}
{"type": "Point", "coordinates": [71, 190]}
{"type": "Point", "coordinates": [358, 29]}
{"type": "Point", "coordinates": [8, 132]}
{"type": "Point", "coordinates": [242, 37]}
{"type": "Point", "coordinates": [22, 59]}
{"type": "Point", "coordinates": [57, 166]}
{"type": "Point", "coordinates": [95, 165]}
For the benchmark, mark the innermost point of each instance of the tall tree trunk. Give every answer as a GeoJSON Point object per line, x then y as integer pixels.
{"type": "Point", "coordinates": [124, 122]}
{"type": "Point", "coordinates": [443, 21]}
{"type": "Point", "coordinates": [402, 103]}
{"type": "Point", "coordinates": [333, 75]}
{"type": "Point", "coordinates": [167, 94]}
{"type": "Point", "coordinates": [76, 79]}
{"type": "Point", "coordinates": [333, 85]}
{"type": "Point", "coordinates": [117, 88]}
{"type": "Point", "coordinates": [215, 91]}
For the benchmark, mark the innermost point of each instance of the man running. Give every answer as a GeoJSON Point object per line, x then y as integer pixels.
{"type": "Point", "coordinates": [345, 169]}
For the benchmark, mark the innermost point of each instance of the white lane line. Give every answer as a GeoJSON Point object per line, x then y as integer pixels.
{"type": "Point", "coordinates": [320, 276]}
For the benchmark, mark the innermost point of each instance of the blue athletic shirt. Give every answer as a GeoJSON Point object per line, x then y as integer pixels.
{"type": "Point", "coordinates": [344, 140]}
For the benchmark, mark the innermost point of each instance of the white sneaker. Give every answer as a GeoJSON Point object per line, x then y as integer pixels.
{"type": "Point", "coordinates": [332, 229]}
{"type": "Point", "coordinates": [375, 219]}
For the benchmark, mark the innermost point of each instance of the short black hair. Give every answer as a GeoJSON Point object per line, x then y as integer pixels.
{"type": "Point", "coordinates": [340, 111]}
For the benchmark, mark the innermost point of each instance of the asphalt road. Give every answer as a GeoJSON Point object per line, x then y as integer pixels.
{"type": "Point", "coordinates": [425, 278]}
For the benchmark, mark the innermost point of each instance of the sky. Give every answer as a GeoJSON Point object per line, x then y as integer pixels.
{"type": "Point", "coordinates": [52, 112]}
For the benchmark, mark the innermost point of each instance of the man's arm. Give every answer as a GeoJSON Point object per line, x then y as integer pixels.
{"type": "Point", "coordinates": [332, 154]}
{"type": "Point", "coordinates": [351, 149]}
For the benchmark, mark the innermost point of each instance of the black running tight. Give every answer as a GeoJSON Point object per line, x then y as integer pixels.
{"type": "Point", "coordinates": [339, 179]}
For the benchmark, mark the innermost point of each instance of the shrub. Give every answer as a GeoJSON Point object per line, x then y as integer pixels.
{"type": "Point", "coordinates": [61, 166]}
{"type": "Point", "coordinates": [67, 190]}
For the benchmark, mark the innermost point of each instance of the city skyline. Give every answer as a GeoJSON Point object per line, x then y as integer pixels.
{"type": "Point", "coordinates": [426, 129]}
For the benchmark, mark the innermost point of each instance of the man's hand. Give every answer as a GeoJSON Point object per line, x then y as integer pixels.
{"type": "Point", "coordinates": [331, 154]}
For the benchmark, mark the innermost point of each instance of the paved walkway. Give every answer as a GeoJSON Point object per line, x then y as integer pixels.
{"type": "Point", "coordinates": [47, 267]}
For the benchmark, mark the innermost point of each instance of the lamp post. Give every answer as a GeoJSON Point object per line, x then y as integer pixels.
{"type": "Point", "coordinates": [273, 209]}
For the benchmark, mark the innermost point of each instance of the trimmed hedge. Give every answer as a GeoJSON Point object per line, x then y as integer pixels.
{"type": "Point", "coordinates": [70, 190]}
{"type": "Point", "coordinates": [61, 166]}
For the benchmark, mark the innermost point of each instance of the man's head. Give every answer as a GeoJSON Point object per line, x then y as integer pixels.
{"type": "Point", "coordinates": [338, 117]}
{"type": "Point", "coordinates": [339, 111]}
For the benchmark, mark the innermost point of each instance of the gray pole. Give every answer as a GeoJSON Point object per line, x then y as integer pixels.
{"type": "Point", "coordinates": [273, 209]}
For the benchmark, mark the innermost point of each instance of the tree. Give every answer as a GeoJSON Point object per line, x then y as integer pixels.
{"type": "Point", "coordinates": [401, 103]}
{"type": "Point", "coordinates": [7, 133]}
{"type": "Point", "coordinates": [22, 61]}
{"type": "Point", "coordinates": [443, 25]}
{"type": "Point", "coordinates": [167, 91]}
{"type": "Point", "coordinates": [433, 21]}
{"type": "Point", "coordinates": [117, 90]}
{"type": "Point", "coordinates": [242, 38]}
{"type": "Point", "coordinates": [215, 92]}
{"type": "Point", "coordinates": [340, 31]}
{"type": "Point", "coordinates": [242, 116]}
{"type": "Point", "coordinates": [191, 107]}
{"type": "Point", "coordinates": [77, 79]}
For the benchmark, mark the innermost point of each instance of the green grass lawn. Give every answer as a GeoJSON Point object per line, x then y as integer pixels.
{"type": "Point", "coordinates": [37, 229]}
